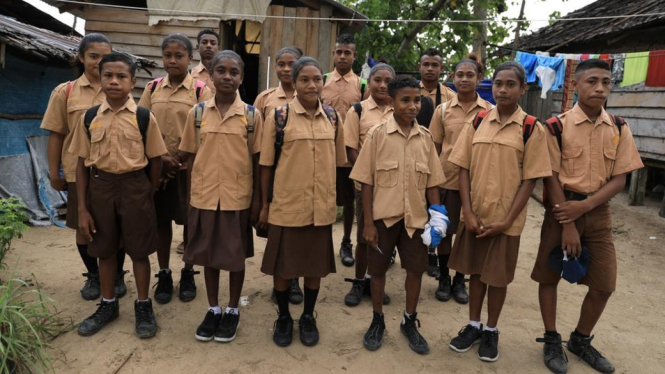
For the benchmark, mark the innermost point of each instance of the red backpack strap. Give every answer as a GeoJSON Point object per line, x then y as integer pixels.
{"type": "Point", "coordinates": [70, 84]}
{"type": "Point", "coordinates": [200, 86]}
{"type": "Point", "coordinates": [478, 119]}
{"type": "Point", "coordinates": [154, 83]}
{"type": "Point", "coordinates": [555, 126]}
{"type": "Point", "coordinates": [618, 122]}
{"type": "Point", "coordinates": [527, 127]}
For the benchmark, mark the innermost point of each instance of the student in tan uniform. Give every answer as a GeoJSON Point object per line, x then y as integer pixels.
{"type": "Point", "coordinates": [114, 148]}
{"type": "Point", "coordinates": [361, 117]}
{"type": "Point", "coordinates": [207, 45]}
{"type": "Point", "coordinates": [500, 155]}
{"type": "Point", "coordinates": [170, 98]}
{"type": "Point", "coordinates": [302, 209]}
{"type": "Point", "coordinates": [447, 123]}
{"type": "Point", "coordinates": [67, 103]}
{"type": "Point", "coordinates": [223, 192]}
{"type": "Point", "coordinates": [430, 67]}
{"type": "Point", "coordinates": [399, 171]}
{"type": "Point", "coordinates": [342, 88]}
{"type": "Point", "coordinates": [590, 157]}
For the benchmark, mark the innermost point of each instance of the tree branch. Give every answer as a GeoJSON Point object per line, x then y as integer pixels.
{"type": "Point", "coordinates": [420, 26]}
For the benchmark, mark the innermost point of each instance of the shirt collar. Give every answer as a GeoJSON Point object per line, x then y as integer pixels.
{"type": "Point", "coordinates": [83, 81]}
{"type": "Point", "coordinates": [200, 67]}
{"type": "Point", "coordinates": [422, 87]}
{"type": "Point", "coordinates": [298, 108]}
{"type": "Point", "coordinates": [187, 82]}
{"type": "Point", "coordinates": [480, 102]}
{"type": "Point", "coordinates": [517, 117]}
{"type": "Point", "coordinates": [279, 91]}
{"type": "Point", "coordinates": [237, 107]}
{"type": "Point", "coordinates": [129, 105]}
{"type": "Point", "coordinates": [580, 117]}
{"type": "Point", "coordinates": [347, 77]}
{"type": "Point", "coordinates": [392, 126]}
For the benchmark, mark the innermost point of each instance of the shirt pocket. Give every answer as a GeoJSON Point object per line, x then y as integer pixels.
{"type": "Point", "coordinates": [386, 173]}
{"type": "Point", "coordinates": [132, 146]}
{"type": "Point", "coordinates": [291, 199]}
{"type": "Point", "coordinates": [572, 165]}
{"type": "Point", "coordinates": [610, 158]}
{"type": "Point", "coordinates": [422, 175]}
{"type": "Point", "coordinates": [96, 137]}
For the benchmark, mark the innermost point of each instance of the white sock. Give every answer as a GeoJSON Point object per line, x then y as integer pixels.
{"type": "Point", "coordinates": [489, 328]}
{"type": "Point", "coordinates": [143, 301]}
{"type": "Point", "coordinates": [367, 276]}
{"type": "Point", "coordinates": [108, 300]}
{"type": "Point", "coordinates": [168, 271]}
{"type": "Point", "coordinates": [475, 324]}
{"type": "Point", "coordinates": [230, 310]}
{"type": "Point", "coordinates": [215, 309]}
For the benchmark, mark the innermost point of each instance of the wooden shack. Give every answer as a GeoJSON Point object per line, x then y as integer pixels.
{"type": "Point", "coordinates": [256, 42]}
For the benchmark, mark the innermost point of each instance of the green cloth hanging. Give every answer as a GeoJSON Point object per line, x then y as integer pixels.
{"type": "Point", "coordinates": [635, 68]}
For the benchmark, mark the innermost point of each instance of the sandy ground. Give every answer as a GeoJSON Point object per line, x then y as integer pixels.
{"type": "Point", "coordinates": [630, 332]}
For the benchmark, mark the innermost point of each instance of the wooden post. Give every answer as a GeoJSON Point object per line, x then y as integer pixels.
{"type": "Point", "coordinates": [638, 184]}
{"type": "Point", "coordinates": [516, 43]}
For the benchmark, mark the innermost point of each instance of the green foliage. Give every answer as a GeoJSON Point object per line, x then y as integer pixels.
{"type": "Point", "coordinates": [12, 224]}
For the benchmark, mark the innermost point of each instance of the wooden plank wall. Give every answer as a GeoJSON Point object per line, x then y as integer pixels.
{"type": "Point", "coordinates": [314, 37]}
{"type": "Point", "coordinates": [534, 105]}
{"type": "Point", "coordinates": [128, 30]}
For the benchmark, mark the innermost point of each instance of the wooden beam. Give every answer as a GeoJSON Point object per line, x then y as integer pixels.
{"type": "Point", "coordinates": [275, 39]}
{"type": "Point", "coordinates": [301, 28]}
{"type": "Point", "coordinates": [288, 28]}
{"type": "Point", "coordinates": [265, 51]}
{"type": "Point", "coordinates": [638, 184]}
{"type": "Point", "coordinates": [325, 31]}
{"type": "Point", "coordinates": [312, 46]}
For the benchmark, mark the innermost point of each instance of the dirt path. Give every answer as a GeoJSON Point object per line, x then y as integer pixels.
{"type": "Point", "coordinates": [630, 332]}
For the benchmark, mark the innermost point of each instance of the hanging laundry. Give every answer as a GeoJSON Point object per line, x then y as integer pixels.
{"type": "Point", "coordinates": [617, 67]}
{"type": "Point", "coordinates": [541, 53]}
{"type": "Point", "coordinates": [556, 64]}
{"type": "Point", "coordinates": [656, 70]}
{"type": "Point", "coordinates": [635, 68]}
{"type": "Point", "coordinates": [547, 77]}
{"type": "Point", "coordinates": [529, 61]}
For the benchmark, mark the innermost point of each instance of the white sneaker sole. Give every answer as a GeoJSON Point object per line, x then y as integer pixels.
{"type": "Point", "coordinates": [489, 359]}
{"type": "Point", "coordinates": [458, 350]}
{"type": "Point", "coordinates": [203, 338]}
{"type": "Point", "coordinates": [226, 340]}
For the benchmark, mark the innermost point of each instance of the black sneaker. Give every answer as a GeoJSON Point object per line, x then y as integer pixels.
{"type": "Point", "coordinates": [466, 338]}
{"type": "Point", "coordinates": [355, 296]}
{"type": "Point", "coordinates": [346, 253]}
{"type": "Point", "coordinates": [392, 258]}
{"type": "Point", "coordinates": [164, 286]}
{"type": "Point", "coordinates": [120, 287]}
{"type": "Point", "coordinates": [206, 330]}
{"type": "Point", "coordinates": [187, 285]}
{"type": "Point", "coordinates": [408, 327]}
{"type": "Point", "coordinates": [106, 312]}
{"type": "Point", "coordinates": [459, 291]}
{"type": "Point", "coordinates": [443, 292]}
{"type": "Point", "coordinates": [553, 354]}
{"type": "Point", "coordinates": [228, 327]}
{"type": "Point", "coordinates": [309, 333]}
{"type": "Point", "coordinates": [295, 293]}
{"type": "Point", "coordinates": [582, 347]}
{"type": "Point", "coordinates": [368, 291]}
{"type": "Point", "coordinates": [146, 324]}
{"type": "Point", "coordinates": [374, 335]}
{"type": "Point", "coordinates": [433, 268]}
{"type": "Point", "coordinates": [92, 288]}
{"type": "Point", "coordinates": [283, 331]}
{"type": "Point", "coordinates": [489, 346]}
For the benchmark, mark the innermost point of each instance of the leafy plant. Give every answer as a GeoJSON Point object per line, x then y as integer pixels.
{"type": "Point", "coordinates": [12, 224]}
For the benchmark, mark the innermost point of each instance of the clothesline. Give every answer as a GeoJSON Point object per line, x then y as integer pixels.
{"type": "Point", "coordinates": [660, 53]}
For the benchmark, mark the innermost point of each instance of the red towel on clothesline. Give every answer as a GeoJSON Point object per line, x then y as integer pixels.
{"type": "Point", "coordinates": [656, 70]}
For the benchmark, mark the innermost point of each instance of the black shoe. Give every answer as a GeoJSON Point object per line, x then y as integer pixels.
{"type": "Point", "coordinates": [408, 327]}
{"type": "Point", "coordinates": [309, 334]}
{"type": "Point", "coordinates": [374, 335]}
{"type": "Point", "coordinates": [228, 327]}
{"type": "Point", "coordinates": [92, 288]}
{"type": "Point", "coordinates": [489, 346]}
{"type": "Point", "coordinates": [164, 286]}
{"type": "Point", "coordinates": [443, 292]}
{"type": "Point", "coordinates": [368, 291]}
{"type": "Point", "coordinates": [582, 347]}
{"type": "Point", "coordinates": [206, 330]}
{"type": "Point", "coordinates": [120, 287]}
{"type": "Point", "coordinates": [295, 293]}
{"type": "Point", "coordinates": [553, 354]}
{"type": "Point", "coordinates": [433, 269]}
{"type": "Point", "coordinates": [346, 253]}
{"type": "Point", "coordinates": [187, 285]}
{"type": "Point", "coordinates": [459, 291]}
{"type": "Point", "coordinates": [466, 338]}
{"type": "Point", "coordinates": [283, 331]}
{"type": "Point", "coordinates": [106, 312]}
{"type": "Point", "coordinates": [146, 324]}
{"type": "Point", "coordinates": [392, 258]}
{"type": "Point", "coordinates": [355, 296]}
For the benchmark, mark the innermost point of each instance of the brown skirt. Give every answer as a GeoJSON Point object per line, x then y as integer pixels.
{"type": "Point", "coordinates": [72, 219]}
{"type": "Point", "coordinates": [219, 239]}
{"type": "Point", "coordinates": [493, 258]}
{"type": "Point", "coordinates": [294, 252]}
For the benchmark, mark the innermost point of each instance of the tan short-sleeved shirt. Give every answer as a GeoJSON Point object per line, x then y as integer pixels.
{"type": "Point", "coordinates": [498, 161]}
{"type": "Point", "coordinates": [446, 93]}
{"type": "Point", "coordinates": [115, 144]}
{"type": "Point", "coordinates": [341, 91]}
{"type": "Point", "coordinates": [355, 128]}
{"type": "Point", "coordinates": [201, 73]}
{"type": "Point", "coordinates": [446, 129]}
{"type": "Point", "coordinates": [170, 105]}
{"type": "Point", "coordinates": [222, 173]}
{"type": "Point", "coordinates": [62, 114]}
{"type": "Point", "coordinates": [400, 167]}
{"type": "Point", "coordinates": [270, 99]}
{"type": "Point", "coordinates": [304, 189]}
{"type": "Point", "coordinates": [592, 152]}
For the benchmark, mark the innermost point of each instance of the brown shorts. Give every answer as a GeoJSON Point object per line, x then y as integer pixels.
{"type": "Point", "coordinates": [72, 219]}
{"type": "Point", "coordinates": [219, 239]}
{"type": "Point", "coordinates": [493, 258]}
{"type": "Point", "coordinates": [360, 217]}
{"type": "Point", "coordinates": [123, 212]}
{"type": "Point", "coordinates": [171, 201]}
{"type": "Point", "coordinates": [595, 229]}
{"type": "Point", "coordinates": [293, 252]}
{"type": "Point", "coordinates": [453, 202]}
{"type": "Point", "coordinates": [344, 187]}
{"type": "Point", "coordinates": [412, 251]}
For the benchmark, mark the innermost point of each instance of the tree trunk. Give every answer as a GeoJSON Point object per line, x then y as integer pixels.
{"type": "Point", "coordinates": [420, 26]}
{"type": "Point", "coordinates": [480, 30]}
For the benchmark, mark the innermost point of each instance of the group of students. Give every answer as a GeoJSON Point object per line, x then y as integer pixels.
{"type": "Point", "coordinates": [193, 152]}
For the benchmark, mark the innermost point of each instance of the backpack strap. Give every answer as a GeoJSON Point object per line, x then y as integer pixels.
{"type": "Point", "coordinates": [143, 120]}
{"type": "Point", "coordinates": [250, 115]}
{"type": "Point", "coordinates": [325, 78]}
{"type": "Point", "coordinates": [198, 119]}
{"type": "Point", "coordinates": [363, 88]}
{"type": "Point", "coordinates": [90, 115]}
{"type": "Point", "coordinates": [154, 83]}
{"type": "Point", "coordinates": [359, 109]}
{"type": "Point", "coordinates": [200, 86]}
{"type": "Point", "coordinates": [331, 113]}
{"type": "Point", "coordinates": [478, 119]}
{"type": "Point", "coordinates": [443, 112]}
{"type": "Point", "coordinates": [281, 118]}
{"type": "Point", "coordinates": [618, 122]}
{"type": "Point", "coordinates": [70, 84]}
{"type": "Point", "coordinates": [555, 126]}
{"type": "Point", "coordinates": [527, 127]}
{"type": "Point", "coordinates": [438, 95]}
